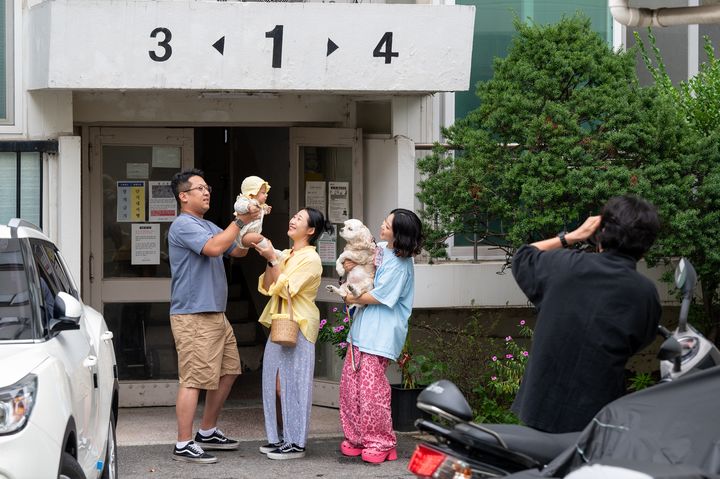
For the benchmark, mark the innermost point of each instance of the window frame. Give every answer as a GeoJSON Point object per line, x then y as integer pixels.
{"type": "Point", "coordinates": [13, 120]}
{"type": "Point", "coordinates": [20, 147]}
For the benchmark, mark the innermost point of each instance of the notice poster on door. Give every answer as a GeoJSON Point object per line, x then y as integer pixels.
{"type": "Point", "coordinates": [339, 204]}
{"type": "Point", "coordinates": [327, 247]}
{"type": "Point", "coordinates": [130, 201]}
{"type": "Point", "coordinates": [162, 205]}
{"type": "Point", "coordinates": [315, 195]}
{"type": "Point", "coordinates": [145, 241]}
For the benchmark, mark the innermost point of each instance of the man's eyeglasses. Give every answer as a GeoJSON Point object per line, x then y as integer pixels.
{"type": "Point", "coordinates": [202, 189]}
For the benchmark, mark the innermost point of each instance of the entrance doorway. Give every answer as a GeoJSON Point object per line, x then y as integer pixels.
{"type": "Point", "coordinates": [130, 210]}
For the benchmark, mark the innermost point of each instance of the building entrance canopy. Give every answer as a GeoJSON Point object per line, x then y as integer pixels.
{"type": "Point", "coordinates": [254, 47]}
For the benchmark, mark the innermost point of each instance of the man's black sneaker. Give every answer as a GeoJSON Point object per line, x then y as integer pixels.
{"type": "Point", "coordinates": [193, 453]}
{"type": "Point", "coordinates": [270, 447]}
{"type": "Point", "coordinates": [287, 451]}
{"type": "Point", "coordinates": [216, 440]}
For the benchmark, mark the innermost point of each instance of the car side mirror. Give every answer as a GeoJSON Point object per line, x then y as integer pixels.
{"type": "Point", "coordinates": [67, 313]}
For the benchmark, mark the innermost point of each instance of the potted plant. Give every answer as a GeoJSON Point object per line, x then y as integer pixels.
{"type": "Point", "coordinates": [417, 371]}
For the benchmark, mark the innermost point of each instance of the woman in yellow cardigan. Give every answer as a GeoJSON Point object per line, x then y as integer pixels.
{"type": "Point", "coordinates": [291, 368]}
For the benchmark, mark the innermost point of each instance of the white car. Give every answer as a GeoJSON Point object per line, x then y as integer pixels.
{"type": "Point", "coordinates": [58, 377]}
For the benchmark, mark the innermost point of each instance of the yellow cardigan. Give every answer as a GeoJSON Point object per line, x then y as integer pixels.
{"type": "Point", "coordinates": [300, 270]}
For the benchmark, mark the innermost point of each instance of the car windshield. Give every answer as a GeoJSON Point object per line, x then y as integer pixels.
{"type": "Point", "coordinates": [16, 312]}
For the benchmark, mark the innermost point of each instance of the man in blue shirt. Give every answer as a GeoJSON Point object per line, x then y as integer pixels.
{"type": "Point", "coordinates": [207, 351]}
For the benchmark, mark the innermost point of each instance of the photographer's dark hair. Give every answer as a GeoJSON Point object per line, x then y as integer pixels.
{"type": "Point", "coordinates": [407, 231]}
{"type": "Point", "coordinates": [629, 225]}
{"type": "Point", "coordinates": [180, 181]}
{"type": "Point", "coordinates": [317, 220]}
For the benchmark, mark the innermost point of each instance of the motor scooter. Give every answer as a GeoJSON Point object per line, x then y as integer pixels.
{"type": "Point", "coordinates": [464, 449]}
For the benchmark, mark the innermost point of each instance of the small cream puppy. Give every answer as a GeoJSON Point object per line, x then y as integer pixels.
{"type": "Point", "coordinates": [360, 249]}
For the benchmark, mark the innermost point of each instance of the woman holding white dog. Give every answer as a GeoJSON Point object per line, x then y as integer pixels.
{"type": "Point", "coordinates": [377, 337]}
{"type": "Point", "coordinates": [292, 281]}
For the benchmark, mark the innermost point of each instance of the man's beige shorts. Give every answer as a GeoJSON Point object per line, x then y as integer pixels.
{"type": "Point", "coordinates": [206, 349]}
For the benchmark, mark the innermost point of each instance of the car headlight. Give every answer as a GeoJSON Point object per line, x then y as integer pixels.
{"type": "Point", "coordinates": [16, 403]}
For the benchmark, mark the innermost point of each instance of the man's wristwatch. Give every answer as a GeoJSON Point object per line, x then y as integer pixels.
{"type": "Point", "coordinates": [239, 223]}
{"type": "Point", "coordinates": [272, 263]}
{"type": "Point", "coordinates": [563, 241]}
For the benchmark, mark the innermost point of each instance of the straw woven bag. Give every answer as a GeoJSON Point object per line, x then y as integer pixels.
{"type": "Point", "coordinates": [283, 329]}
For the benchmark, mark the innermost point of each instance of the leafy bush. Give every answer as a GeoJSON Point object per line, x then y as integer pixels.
{"type": "Point", "coordinates": [466, 354]}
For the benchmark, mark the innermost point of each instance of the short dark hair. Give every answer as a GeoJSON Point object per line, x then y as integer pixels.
{"type": "Point", "coordinates": [180, 181]}
{"type": "Point", "coordinates": [407, 231]}
{"type": "Point", "coordinates": [317, 220]}
{"type": "Point", "coordinates": [629, 225]}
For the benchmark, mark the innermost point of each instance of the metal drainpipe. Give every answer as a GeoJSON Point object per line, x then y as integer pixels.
{"type": "Point", "coordinates": [662, 17]}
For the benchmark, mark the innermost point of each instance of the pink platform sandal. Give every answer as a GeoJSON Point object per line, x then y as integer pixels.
{"type": "Point", "coordinates": [376, 457]}
{"type": "Point", "coordinates": [347, 449]}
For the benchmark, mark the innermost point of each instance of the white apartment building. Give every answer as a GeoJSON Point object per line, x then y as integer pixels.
{"type": "Point", "coordinates": [104, 100]}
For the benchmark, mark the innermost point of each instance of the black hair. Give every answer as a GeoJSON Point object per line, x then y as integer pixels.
{"type": "Point", "coordinates": [407, 231]}
{"type": "Point", "coordinates": [629, 225]}
{"type": "Point", "coordinates": [180, 181]}
{"type": "Point", "coordinates": [317, 220]}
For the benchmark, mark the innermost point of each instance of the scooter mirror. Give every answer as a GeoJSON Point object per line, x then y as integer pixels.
{"type": "Point", "coordinates": [669, 350]}
{"type": "Point", "coordinates": [685, 277]}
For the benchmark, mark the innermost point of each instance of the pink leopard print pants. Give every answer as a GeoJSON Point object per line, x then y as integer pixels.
{"type": "Point", "coordinates": [365, 402]}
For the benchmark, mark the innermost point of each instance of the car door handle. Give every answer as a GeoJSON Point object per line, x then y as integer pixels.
{"type": "Point", "coordinates": [106, 336]}
{"type": "Point", "coordinates": [90, 361]}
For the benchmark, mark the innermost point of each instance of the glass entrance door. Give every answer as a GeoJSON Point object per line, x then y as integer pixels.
{"type": "Point", "coordinates": [326, 173]}
{"type": "Point", "coordinates": [131, 207]}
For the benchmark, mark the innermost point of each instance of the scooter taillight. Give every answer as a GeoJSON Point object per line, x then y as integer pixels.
{"type": "Point", "coordinates": [425, 461]}
{"type": "Point", "coordinates": [429, 462]}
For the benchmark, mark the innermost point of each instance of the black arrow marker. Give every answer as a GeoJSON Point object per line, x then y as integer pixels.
{"type": "Point", "coordinates": [331, 47]}
{"type": "Point", "coordinates": [220, 45]}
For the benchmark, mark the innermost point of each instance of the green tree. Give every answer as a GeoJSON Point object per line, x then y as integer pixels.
{"type": "Point", "coordinates": [563, 125]}
{"type": "Point", "coordinates": [693, 217]}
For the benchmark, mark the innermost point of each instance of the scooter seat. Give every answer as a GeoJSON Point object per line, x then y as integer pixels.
{"type": "Point", "coordinates": [541, 446]}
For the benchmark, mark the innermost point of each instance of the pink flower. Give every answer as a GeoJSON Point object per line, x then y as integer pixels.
{"type": "Point", "coordinates": [343, 345]}
{"type": "Point", "coordinates": [493, 378]}
{"type": "Point", "coordinates": [525, 353]}
{"type": "Point", "coordinates": [338, 329]}
{"type": "Point", "coordinates": [522, 322]}
{"type": "Point", "coordinates": [494, 358]}
{"type": "Point", "coordinates": [508, 338]}
{"type": "Point", "coordinates": [334, 310]}
{"type": "Point", "coordinates": [508, 356]}
{"type": "Point", "coordinates": [346, 319]}
{"type": "Point", "coordinates": [323, 322]}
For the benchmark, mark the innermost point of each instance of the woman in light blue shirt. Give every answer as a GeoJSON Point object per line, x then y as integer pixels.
{"type": "Point", "coordinates": [377, 337]}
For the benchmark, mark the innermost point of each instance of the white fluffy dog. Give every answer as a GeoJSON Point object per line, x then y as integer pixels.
{"type": "Point", "coordinates": [360, 249]}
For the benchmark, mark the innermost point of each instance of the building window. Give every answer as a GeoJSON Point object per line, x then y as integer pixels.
{"type": "Point", "coordinates": [6, 61]}
{"type": "Point", "coordinates": [21, 179]}
{"type": "Point", "coordinates": [494, 31]}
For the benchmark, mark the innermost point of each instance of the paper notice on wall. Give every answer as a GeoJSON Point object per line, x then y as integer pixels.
{"type": "Point", "coordinates": [339, 204]}
{"type": "Point", "coordinates": [145, 241]}
{"type": "Point", "coordinates": [327, 247]}
{"type": "Point", "coordinates": [137, 171]}
{"type": "Point", "coordinates": [130, 201]}
{"type": "Point", "coordinates": [162, 205]}
{"type": "Point", "coordinates": [315, 195]}
{"type": "Point", "coordinates": [166, 157]}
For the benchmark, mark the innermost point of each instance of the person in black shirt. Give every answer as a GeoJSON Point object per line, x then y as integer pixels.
{"type": "Point", "coordinates": [595, 311]}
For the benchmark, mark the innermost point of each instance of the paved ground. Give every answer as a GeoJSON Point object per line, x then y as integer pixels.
{"type": "Point", "coordinates": [322, 460]}
{"type": "Point", "coordinates": [145, 437]}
